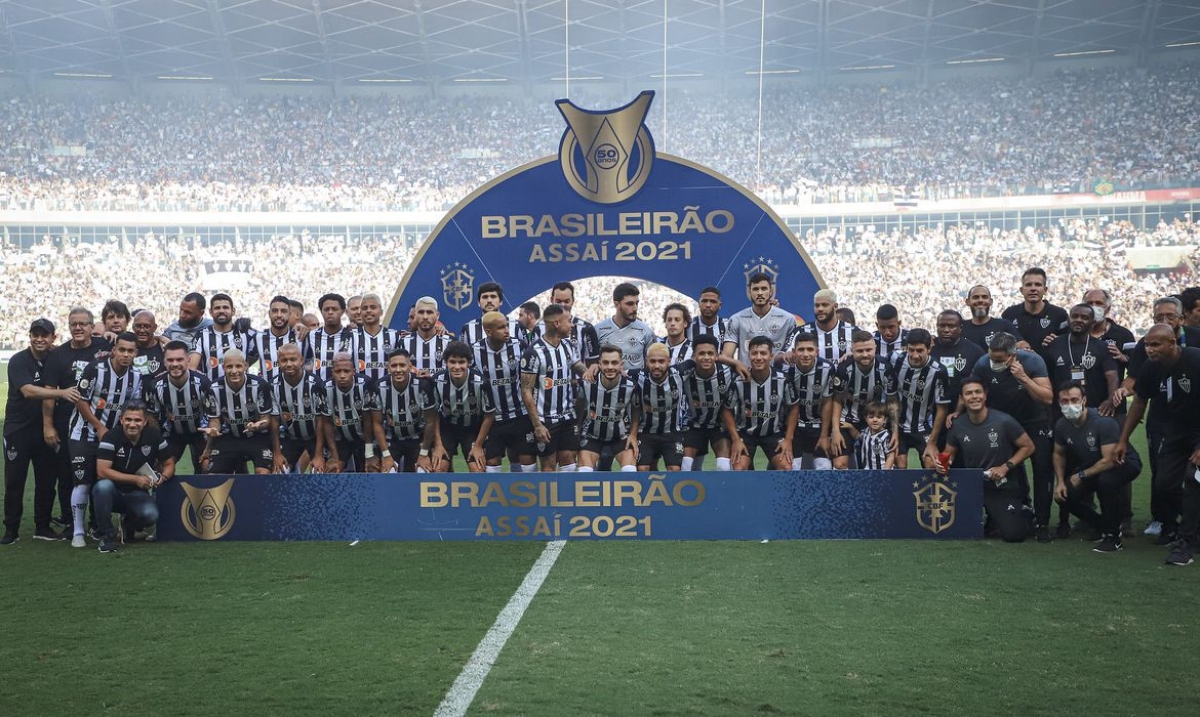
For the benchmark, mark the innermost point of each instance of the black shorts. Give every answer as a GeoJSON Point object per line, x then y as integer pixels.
{"type": "Point", "coordinates": [805, 442]}
{"type": "Point", "coordinates": [176, 445]}
{"type": "Point", "coordinates": [668, 446]}
{"type": "Point", "coordinates": [294, 448]}
{"type": "Point", "coordinates": [457, 440]}
{"type": "Point", "coordinates": [352, 453]}
{"type": "Point", "coordinates": [599, 447]}
{"type": "Point", "coordinates": [83, 461]}
{"type": "Point", "coordinates": [564, 438]}
{"type": "Point", "coordinates": [229, 454]}
{"type": "Point", "coordinates": [769, 444]}
{"type": "Point", "coordinates": [700, 439]}
{"type": "Point", "coordinates": [513, 437]}
{"type": "Point", "coordinates": [913, 439]}
{"type": "Point", "coordinates": [405, 453]}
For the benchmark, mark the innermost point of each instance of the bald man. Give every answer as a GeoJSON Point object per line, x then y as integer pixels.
{"type": "Point", "coordinates": [149, 359]}
{"type": "Point", "coordinates": [662, 390]}
{"type": "Point", "coordinates": [1171, 380]}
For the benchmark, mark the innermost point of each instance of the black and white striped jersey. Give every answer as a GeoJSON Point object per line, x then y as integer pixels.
{"type": "Point", "coordinates": [662, 401]}
{"type": "Point", "coordinates": [920, 391]}
{"type": "Point", "coordinates": [300, 404]}
{"type": "Point", "coordinates": [679, 353]}
{"type": "Point", "coordinates": [833, 344]}
{"type": "Point", "coordinates": [403, 409]}
{"type": "Point", "coordinates": [370, 351]}
{"type": "Point", "coordinates": [462, 406]}
{"type": "Point", "coordinates": [858, 388]}
{"type": "Point", "coordinates": [761, 407]}
{"type": "Point", "coordinates": [348, 409]}
{"type": "Point", "coordinates": [267, 345]}
{"type": "Point", "coordinates": [426, 353]}
{"type": "Point", "coordinates": [811, 389]}
{"type": "Point", "coordinates": [610, 410]}
{"type": "Point", "coordinates": [472, 332]}
{"type": "Point", "coordinates": [320, 347]}
{"type": "Point", "coordinates": [212, 345]}
{"type": "Point", "coordinates": [554, 391]}
{"type": "Point", "coordinates": [501, 371]}
{"type": "Point", "coordinates": [887, 349]}
{"type": "Point", "coordinates": [705, 395]}
{"type": "Point", "coordinates": [583, 335]}
{"type": "Point", "coordinates": [180, 410]}
{"type": "Point", "coordinates": [237, 407]}
{"type": "Point", "coordinates": [106, 391]}
{"type": "Point", "coordinates": [698, 328]}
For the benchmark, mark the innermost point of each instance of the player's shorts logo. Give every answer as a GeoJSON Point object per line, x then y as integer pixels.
{"type": "Point", "coordinates": [458, 285]}
{"type": "Point", "coordinates": [208, 513]}
{"type": "Point", "coordinates": [935, 507]}
{"type": "Point", "coordinates": [606, 156]}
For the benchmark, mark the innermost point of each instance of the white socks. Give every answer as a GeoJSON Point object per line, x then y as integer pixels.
{"type": "Point", "coordinates": [491, 469]}
{"type": "Point", "coordinates": [567, 468]}
{"type": "Point", "coordinates": [585, 469]}
{"type": "Point", "coordinates": [797, 463]}
{"type": "Point", "coordinates": [686, 463]}
{"type": "Point", "coordinates": [529, 468]}
{"type": "Point", "coordinates": [723, 464]}
{"type": "Point", "coordinates": [79, 504]}
{"type": "Point", "coordinates": [631, 468]}
{"type": "Point", "coordinates": [822, 464]}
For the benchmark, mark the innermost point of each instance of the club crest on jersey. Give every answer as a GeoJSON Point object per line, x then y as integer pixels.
{"type": "Point", "coordinates": [1045, 323]}
{"type": "Point", "coordinates": [1091, 441]}
{"type": "Point", "coordinates": [993, 438]}
{"type": "Point", "coordinates": [458, 286]}
{"type": "Point", "coordinates": [606, 157]}
{"type": "Point", "coordinates": [960, 363]}
{"type": "Point", "coordinates": [1185, 384]}
{"type": "Point", "coordinates": [761, 265]}
{"type": "Point", "coordinates": [1089, 361]}
{"type": "Point", "coordinates": [146, 451]}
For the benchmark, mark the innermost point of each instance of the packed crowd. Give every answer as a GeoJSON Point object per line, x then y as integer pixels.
{"type": "Point", "coordinates": [967, 137]}
{"type": "Point", "coordinates": [46, 279]}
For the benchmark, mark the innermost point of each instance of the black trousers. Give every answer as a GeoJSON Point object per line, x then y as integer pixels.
{"type": "Point", "coordinates": [1005, 507]}
{"type": "Point", "coordinates": [1178, 487]}
{"type": "Point", "coordinates": [1042, 485]}
{"type": "Point", "coordinates": [1110, 487]}
{"type": "Point", "coordinates": [23, 448]}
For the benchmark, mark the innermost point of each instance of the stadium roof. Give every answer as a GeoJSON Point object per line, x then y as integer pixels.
{"type": "Point", "coordinates": [516, 40]}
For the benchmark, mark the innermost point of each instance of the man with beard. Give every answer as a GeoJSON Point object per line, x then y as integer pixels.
{"type": "Point", "coordinates": [890, 337]}
{"type": "Point", "coordinates": [1017, 384]}
{"type": "Point", "coordinates": [372, 342]}
{"type": "Point", "coordinates": [354, 413]}
{"type": "Point", "coordinates": [811, 379]}
{"type": "Point", "coordinates": [491, 298]}
{"type": "Point", "coordinates": [330, 339]}
{"type": "Point", "coordinates": [149, 359]}
{"type": "Point", "coordinates": [983, 327]}
{"type": "Point", "coordinates": [223, 336]}
{"type": "Point", "coordinates": [676, 318]}
{"type": "Point", "coordinates": [498, 358]}
{"type": "Point", "coordinates": [407, 416]}
{"type": "Point", "coordinates": [426, 345]}
{"type": "Point", "coordinates": [1171, 377]}
{"type": "Point", "coordinates": [761, 412]}
{"type": "Point", "coordinates": [613, 412]}
{"type": "Point", "coordinates": [303, 413]}
{"type": "Point", "coordinates": [624, 329]}
{"type": "Point", "coordinates": [956, 354]}
{"type": "Point", "coordinates": [857, 382]}
{"type": "Point", "coordinates": [178, 400]}
{"type": "Point", "coordinates": [243, 420]}
{"type": "Point", "coordinates": [708, 321]}
{"type": "Point", "coordinates": [548, 371]}
{"type": "Point", "coordinates": [833, 334]}
{"type": "Point", "coordinates": [279, 334]}
{"type": "Point", "coordinates": [1078, 357]}
{"type": "Point", "coordinates": [1037, 320]}
{"type": "Point", "coordinates": [583, 333]}
{"type": "Point", "coordinates": [921, 385]}
{"type": "Point", "coordinates": [761, 318]}
{"type": "Point", "coordinates": [661, 389]}
{"type": "Point", "coordinates": [191, 320]}
{"type": "Point", "coordinates": [705, 385]}
{"type": "Point", "coordinates": [64, 367]}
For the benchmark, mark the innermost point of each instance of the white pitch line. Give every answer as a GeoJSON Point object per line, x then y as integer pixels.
{"type": "Point", "coordinates": [462, 692]}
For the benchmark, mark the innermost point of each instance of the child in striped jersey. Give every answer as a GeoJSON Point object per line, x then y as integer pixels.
{"type": "Point", "coordinates": [873, 445]}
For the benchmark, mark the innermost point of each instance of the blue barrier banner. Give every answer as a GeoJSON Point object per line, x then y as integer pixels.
{"type": "Point", "coordinates": [775, 505]}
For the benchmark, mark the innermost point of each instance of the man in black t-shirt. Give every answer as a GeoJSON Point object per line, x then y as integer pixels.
{"type": "Point", "coordinates": [954, 352]}
{"type": "Point", "coordinates": [131, 461]}
{"type": "Point", "coordinates": [1080, 358]}
{"type": "Point", "coordinates": [1086, 440]}
{"type": "Point", "coordinates": [1036, 319]}
{"type": "Point", "coordinates": [982, 326]}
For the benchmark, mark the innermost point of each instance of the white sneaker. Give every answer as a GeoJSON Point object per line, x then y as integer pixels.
{"type": "Point", "coordinates": [1155, 529]}
{"type": "Point", "coordinates": [78, 542]}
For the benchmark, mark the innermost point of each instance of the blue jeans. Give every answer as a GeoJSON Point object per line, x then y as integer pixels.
{"type": "Point", "coordinates": [138, 507]}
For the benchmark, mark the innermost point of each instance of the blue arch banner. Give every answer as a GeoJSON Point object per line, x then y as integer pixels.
{"type": "Point", "coordinates": [607, 205]}
{"type": "Point", "coordinates": [765, 505]}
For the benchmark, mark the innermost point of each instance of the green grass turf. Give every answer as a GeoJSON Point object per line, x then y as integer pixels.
{"type": "Point", "coordinates": [619, 628]}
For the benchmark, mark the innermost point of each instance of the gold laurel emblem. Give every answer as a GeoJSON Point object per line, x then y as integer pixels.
{"type": "Point", "coordinates": [935, 507]}
{"type": "Point", "coordinates": [208, 513]}
{"type": "Point", "coordinates": [607, 171]}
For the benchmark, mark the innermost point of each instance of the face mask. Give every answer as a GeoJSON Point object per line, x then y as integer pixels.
{"type": "Point", "coordinates": [998, 366]}
{"type": "Point", "coordinates": [1099, 312]}
{"type": "Point", "coordinates": [1072, 413]}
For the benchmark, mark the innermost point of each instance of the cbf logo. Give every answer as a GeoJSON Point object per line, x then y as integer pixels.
{"type": "Point", "coordinates": [606, 156]}
{"type": "Point", "coordinates": [207, 514]}
{"type": "Point", "coordinates": [458, 285]}
{"type": "Point", "coordinates": [761, 265]}
{"type": "Point", "coordinates": [935, 506]}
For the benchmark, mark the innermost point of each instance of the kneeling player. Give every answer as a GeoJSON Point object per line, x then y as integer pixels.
{"type": "Point", "coordinates": [408, 415]}
{"type": "Point", "coordinates": [759, 404]}
{"type": "Point", "coordinates": [705, 384]}
{"type": "Point", "coordinates": [661, 388]}
{"type": "Point", "coordinates": [613, 408]}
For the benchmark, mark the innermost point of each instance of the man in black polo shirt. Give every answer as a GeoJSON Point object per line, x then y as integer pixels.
{"type": "Point", "coordinates": [954, 352]}
{"type": "Point", "coordinates": [1115, 336]}
{"type": "Point", "coordinates": [1079, 357]}
{"type": "Point", "coordinates": [126, 463]}
{"type": "Point", "coordinates": [1172, 378]}
{"type": "Point", "coordinates": [1086, 440]}
{"type": "Point", "coordinates": [982, 325]}
{"type": "Point", "coordinates": [24, 439]}
{"type": "Point", "coordinates": [993, 441]}
{"type": "Point", "coordinates": [1036, 319]}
